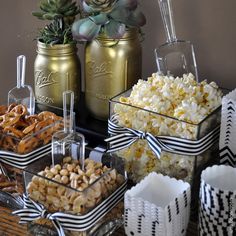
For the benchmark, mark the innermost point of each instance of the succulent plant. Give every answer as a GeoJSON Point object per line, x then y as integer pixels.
{"type": "Point", "coordinates": [51, 9]}
{"type": "Point", "coordinates": [56, 33]}
{"type": "Point", "coordinates": [99, 5]}
{"type": "Point", "coordinates": [112, 17]}
{"type": "Point", "coordinates": [62, 14]}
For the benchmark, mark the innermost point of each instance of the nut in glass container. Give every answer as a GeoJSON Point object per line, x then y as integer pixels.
{"type": "Point", "coordinates": [65, 188]}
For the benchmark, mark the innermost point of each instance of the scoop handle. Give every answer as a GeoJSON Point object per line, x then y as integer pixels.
{"type": "Point", "coordinates": [21, 61]}
{"type": "Point", "coordinates": [68, 98]}
{"type": "Point", "coordinates": [168, 19]}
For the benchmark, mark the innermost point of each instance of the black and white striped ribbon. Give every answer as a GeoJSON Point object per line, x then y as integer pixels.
{"type": "Point", "coordinates": [63, 221]}
{"type": "Point", "coordinates": [35, 211]}
{"type": "Point", "coordinates": [123, 137]}
{"type": "Point", "coordinates": [22, 161]}
{"type": "Point", "coordinates": [2, 169]}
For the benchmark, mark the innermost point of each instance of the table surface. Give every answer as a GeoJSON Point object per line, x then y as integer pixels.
{"type": "Point", "coordinates": [9, 226]}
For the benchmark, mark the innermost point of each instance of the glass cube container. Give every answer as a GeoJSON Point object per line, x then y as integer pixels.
{"type": "Point", "coordinates": [140, 159]}
{"type": "Point", "coordinates": [74, 192]}
{"type": "Point", "coordinates": [18, 142]}
{"type": "Point", "coordinates": [18, 152]}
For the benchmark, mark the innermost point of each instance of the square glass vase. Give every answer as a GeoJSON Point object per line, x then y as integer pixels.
{"type": "Point", "coordinates": [38, 136]}
{"type": "Point", "coordinates": [141, 160]}
{"type": "Point", "coordinates": [17, 153]}
{"type": "Point", "coordinates": [97, 203]}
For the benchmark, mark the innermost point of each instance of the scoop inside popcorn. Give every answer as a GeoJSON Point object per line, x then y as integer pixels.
{"type": "Point", "coordinates": [175, 57]}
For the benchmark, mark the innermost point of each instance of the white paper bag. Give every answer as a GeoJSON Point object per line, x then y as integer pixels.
{"type": "Point", "coordinates": [228, 130]}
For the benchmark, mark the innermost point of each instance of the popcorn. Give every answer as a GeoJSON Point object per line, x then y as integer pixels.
{"type": "Point", "coordinates": [176, 97]}
{"type": "Point", "coordinates": [169, 106]}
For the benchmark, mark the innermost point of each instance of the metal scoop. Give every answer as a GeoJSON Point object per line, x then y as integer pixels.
{"type": "Point", "coordinates": [10, 201]}
{"type": "Point", "coordinates": [68, 142]}
{"type": "Point", "coordinates": [107, 228]}
{"type": "Point", "coordinates": [175, 57]}
{"type": "Point", "coordinates": [22, 93]}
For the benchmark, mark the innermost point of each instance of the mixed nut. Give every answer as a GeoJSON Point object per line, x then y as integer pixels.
{"type": "Point", "coordinates": [67, 188]}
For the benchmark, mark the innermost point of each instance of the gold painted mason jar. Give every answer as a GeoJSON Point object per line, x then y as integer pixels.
{"type": "Point", "coordinates": [56, 69]}
{"type": "Point", "coordinates": [111, 66]}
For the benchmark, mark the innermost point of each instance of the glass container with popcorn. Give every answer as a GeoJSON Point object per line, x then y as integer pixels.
{"type": "Point", "coordinates": [170, 107]}
{"type": "Point", "coordinates": [81, 198]}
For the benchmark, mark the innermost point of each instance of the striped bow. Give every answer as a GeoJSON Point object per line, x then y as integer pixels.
{"type": "Point", "coordinates": [34, 211]}
{"type": "Point", "coordinates": [123, 137]}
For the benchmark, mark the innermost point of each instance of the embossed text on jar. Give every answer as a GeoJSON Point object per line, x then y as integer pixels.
{"type": "Point", "coordinates": [56, 69]}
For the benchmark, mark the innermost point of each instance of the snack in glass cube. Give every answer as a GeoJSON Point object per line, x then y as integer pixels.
{"type": "Point", "coordinates": [164, 105]}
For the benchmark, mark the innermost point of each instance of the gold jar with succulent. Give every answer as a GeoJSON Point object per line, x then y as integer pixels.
{"type": "Point", "coordinates": [57, 66]}
{"type": "Point", "coordinates": [113, 54]}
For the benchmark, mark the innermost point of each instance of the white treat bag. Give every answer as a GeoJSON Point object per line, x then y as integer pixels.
{"type": "Point", "coordinates": [228, 130]}
{"type": "Point", "coordinates": [158, 205]}
{"type": "Point", "coordinates": [217, 206]}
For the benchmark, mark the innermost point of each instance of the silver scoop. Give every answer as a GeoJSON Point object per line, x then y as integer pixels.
{"type": "Point", "coordinates": [107, 228]}
{"type": "Point", "coordinates": [22, 93]}
{"type": "Point", "coordinates": [175, 57]}
{"type": "Point", "coordinates": [68, 142]}
{"type": "Point", "coordinates": [10, 201]}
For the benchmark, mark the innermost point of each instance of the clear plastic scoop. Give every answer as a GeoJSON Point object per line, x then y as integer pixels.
{"type": "Point", "coordinates": [175, 57]}
{"type": "Point", "coordinates": [68, 142]}
{"type": "Point", "coordinates": [22, 93]}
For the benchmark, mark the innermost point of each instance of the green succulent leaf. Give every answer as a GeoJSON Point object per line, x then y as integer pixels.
{"type": "Point", "coordinates": [97, 6]}
{"type": "Point", "coordinates": [60, 7]}
{"type": "Point", "coordinates": [71, 12]}
{"type": "Point", "coordinates": [51, 16]}
{"type": "Point", "coordinates": [71, 5]}
{"type": "Point", "coordinates": [67, 7]}
{"type": "Point", "coordinates": [136, 19]}
{"type": "Point", "coordinates": [38, 14]}
{"type": "Point", "coordinates": [100, 19]}
{"type": "Point", "coordinates": [112, 16]}
{"type": "Point", "coordinates": [120, 14]}
{"type": "Point", "coordinates": [44, 6]}
{"type": "Point", "coordinates": [85, 29]}
{"type": "Point", "coordinates": [56, 32]}
{"type": "Point", "coordinates": [61, 3]}
{"type": "Point", "coordinates": [87, 8]}
{"type": "Point", "coordinates": [61, 13]}
{"type": "Point", "coordinates": [129, 4]}
{"type": "Point", "coordinates": [114, 29]}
